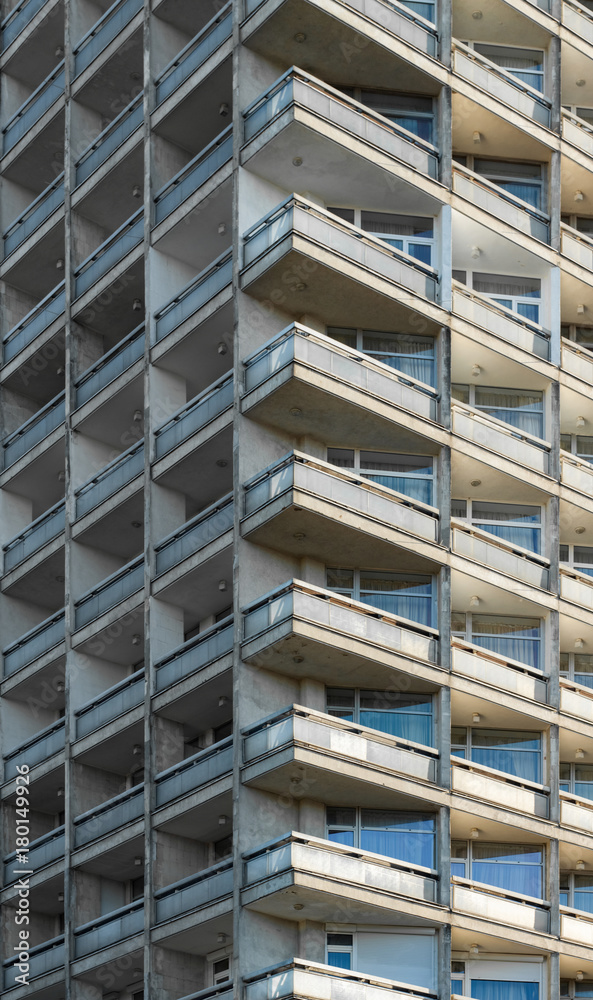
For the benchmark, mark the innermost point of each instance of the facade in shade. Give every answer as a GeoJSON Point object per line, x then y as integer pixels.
{"type": "Point", "coordinates": [296, 500]}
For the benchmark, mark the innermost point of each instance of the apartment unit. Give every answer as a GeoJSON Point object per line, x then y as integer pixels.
{"type": "Point", "coordinates": [296, 499]}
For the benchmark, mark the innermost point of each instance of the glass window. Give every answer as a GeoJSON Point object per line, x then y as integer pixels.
{"type": "Point", "coordinates": [577, 779]}
{"type": "Point", "coordinates": [515, 523]}
{"type": "Point", "coordinates": [493, 989]}
{"type": "Point", "coordinates": [513, 867]}
{"type": "Point", "coordinates": [577, 667]}
{"type": "Point", "coordinates": [515, 638]}
{"type": "Point", "coordinates": [406, 836]}
{"type": "Point", "coordinates": [581, 335]}
{"type": "Point", "coordinates": [521, 408]}
{"type": "Point", "coordinates": [412, 234]}
{"type": "Point", "coordinates": [519, 294]}
{"type": "Point", "coordinates": [580, 445]}
{"type": "Point", "coordinates": [413, 112]}
{"type": "Point", "coordinates": [511, 751]}
{"type": "Point", "coordinates": [405, 352]}
{"type": "Point", "coordinates": [523, 180]}
{"type": "Point", "coordinates": [405, 716]}
{"type": "Point", "coordinates": [407, 596]}
{"type": "Point", "coordinates": [526, 64]}
{"type": "Point", "coordinates": [339, 950]}
{"type": "Point", "coordinates": [578, 557]}
{"type": "Point", "coordinates": [411, 475]}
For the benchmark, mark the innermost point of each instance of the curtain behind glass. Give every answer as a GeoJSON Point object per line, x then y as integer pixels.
{"type": "Point", "coordinates": [513, 753]}
{"type": "Point", "coordinates": [488, 989]}
{"type": "Point", "coordinates": [514, 867]}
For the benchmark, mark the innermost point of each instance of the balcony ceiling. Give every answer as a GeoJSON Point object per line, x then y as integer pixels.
{"type": "Point", "coordinates": [573, 293]}
{"type": "Point", "coordinates": [118, 863]}
{"type": "Point", "coordinates": [181, 359]}
{"type": "Point", "coordinates": [196, 241]}
{"type": "Point", "coordinates": [41, 585]}
{"type": "Point", "coordinates": [493, 600]}
{"type": "Point", "coordinates": [36, 272]}
{"type": "Point", "coordinates": [500, 22]}
{"type": "Point", "coordinates": [200, 823]}
{"type": "Point", "coordinates": [576, 66]}
{"type": "Point", "coordinates": [489, 831]}
{"type": "Point", "coordinates": [497, 368]}
{"type": "Point", "coordinates": [202, 105]}
{"type": "Point", "coordinates": [115, 532]}
{"type": "Point", "coordinates": [115, 752]}
{"type": "Point", "coordinates": [499, 139]}
{"type": "Point", "coordinates": [111, 202]}
{"type": "Point", "coordinates": [493, 714]}
{"type": "Point", "coordinates": [45, 790]}
{"type": "Point", "coordinates": [38, 481]}
{"type": "Point", "coordinates": [41, 160]}
{"type": "Point", "coordinates": [113, 422]}
{"type": "Point", "coordinates": [44, 898]}
{"type": "Point", "coordinates": [35, 60]}
{"type": "Point", "coordinates": [201, 936]}
{"type": "Point", "coordinates": [115, 82]}
{"type": "Point", "coordinates": [187, 17]}
{"type": "Point", "coordinates": [118, 648]}
{"type": "Point", "coordinates": [497, 254]}
{"type": "Point", "coordinates": [494, 485]}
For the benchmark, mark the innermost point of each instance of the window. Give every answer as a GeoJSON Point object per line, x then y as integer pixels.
{"type": "Point", "coordinates": [578, 557]}
{"type": "Point", "coordinates": [408, 474]}
{"type": "Point", "coordinates": [407, 596]}
{"type": "Point", "coordinates": [457, 978]}
{"type": "Point", "coordinates": [520, 295]}
{"type": "Point", "coordinates": [518, 639]}
{"type": "Point", "coordinates": [525, 64]}
{"type": "Point", "coordinates": [581, 335]}
{"type": "Point", "coordinates": [407, 955]}
{"type": "Point", "coordinates": [339, 950]}
{"type": "Point", "coordinates": [498, 980]}
{"type": "Point", "coordinates": [515, 523]}
{"type": "Point", "coordinates": [425, 10]}
{"type": "Point", "coordinates": [523, 180]}
{"type": "Point", "coordinates": [570, 989]}
{"type": "Point", "coordinates": [406, 716]}
{"type": "Point", "coordinates": [407, 836]}
{"type": "Point", "coordinates": [582, 223]}
{"type": "Point", "coordinates": [577, 779]}
{"type": "Point", "coordinates": [407, 353]}
{"type": "Point", "coordinates": [410, 233]}
{"type": "Point", "coordinates": [580, 445]}
{"type": "Point", "coordinates": [576, 890]}
{"type": "Point", "coordinates": [521, 408]}
{"type": "Point", "coordinates": [585, 114]}
{"type": "Point", "coordinates": [577, 667]}
{"type": "Point", "coordinates": [414, 112]}
{"type": "Point", "coordinates": [221, 971]}
{"type": "Point", "coordinates": [511, 751]}
{"type": "Point", "coordinates": [516, 867]}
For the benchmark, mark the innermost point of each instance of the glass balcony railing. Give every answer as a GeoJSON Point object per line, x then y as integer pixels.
{"type": "Point", "coordinates": [18, 19]}
{"type": "Point", "coordinates": [46, 94]}
{"type": "Point", "coordinates": [111, 479]}
{"type": "Point", "coordinates": [192, 773]}
{"type": "Point", "coordinates": [195, 654]}
{"type": "Point", "coordinates": [44, 958]}
{"type": "Point", "coordinates": [33, 216]}
{"type": "Point", "coordinates": [497, 82]}
{"type": "Point", "coordinates": [114, 363]}
{"type": "Point", "coordinates": [296, 88]}
{"type": "Point", "coordinates": [194, 415]}
{"type": "Point", "coordinates": [109, 929]}
{"type": "Point", "coordinates": [109, 705]}
{"type": "Point", "coordinates": [34, 644]}
{"type": "Point", "coordinates": [494, 318]}
{"type": "Point", "coordinates": [504, 206]}
{"type": "Point", "coordinates": [194, 892]}
{"type": "Point", "coordinates": [34, 430]}
{"type": "Point", "coordinates": [296, 215]}
{"type": "Point", "coordinates": [42, 530]}
{"type": "Point", "coordinates": [577, 132]}
{"type": "Point", "coordinates": [224, 991]}
{"type": "Point", "coordinates": [577, 246]}
{"type": "Point", "coordinates": [193, 536]}
{"type": "Point", "coordinates": [107, 28]}
{"type": "Point", "coordinates": [195, 295]}
{"type": "Point", "coordinates": [42, 852]}
{"type": "Point", "coordinates": [495, 668]}
{"type": "Point", "coordinates": [338, 616]}
{"type": "Point", "coordinates": [120, 243]}
{"type": "Point", "coordinates": [110, 592]}
{"type": "Point", "coordinates": [40, 747]}
{"type": "Point", "coordinates": [499, 437]}
{"type": "Point", "coordinates": [499, 554]}
{"type": "Point", "coordinates": [195, 53]}
{"type": "Point", "coordinates": [197, 172]}
{"type": "Point", "coordinates": [110, 139]}
{"type": "Point", "coordinates": [109, 816]}
{"type": "Point", "coordinates": [35, 322]}
{"type": "Point", "coordinates": [310, 979]}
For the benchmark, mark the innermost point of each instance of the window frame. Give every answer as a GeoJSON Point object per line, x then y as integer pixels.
{"type": "Point", "coordinates": [357, 830]}
{"type": "Point", "coordinates": [471, 161]}
{"type": "Point", "coordinates": [480, 522]}
{"type": "Point", "coordinates": [482, 408]}
{"type": "Point", "coordinates": [392, 238]}
{"type": "Point", "coordinates": [570, 561]}
{"type": "Point", "coordinates": [574, 445]}
{"type": "Point", "coordinates": [469, 634]}
{"type": "Point", "coordinates": [369, 473]}
{"type": "Point", "coordinates": [515, 300]}
{"type": "Point", "coordinates": [572, 781]}
{"type": "Point", "coordinates": [570, 878]}
{"type": "Point", "coordinates": [570, 673]}
{"type": "Point", "coordinates": [359, 334]}
{"type": "Point", "coordinates": [469, 861]}
{"type": "Point", "coordinates": [356, 709]}
{"type": "Point", "coordinates": [542, 74]}
{"type": "Point", "coordinates": [354, 593]}
{"type": "Point", "coordinates": [469, 731]}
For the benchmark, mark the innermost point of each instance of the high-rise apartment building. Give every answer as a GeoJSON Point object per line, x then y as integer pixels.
{"type": "Point", "coordinates": [296, 499]}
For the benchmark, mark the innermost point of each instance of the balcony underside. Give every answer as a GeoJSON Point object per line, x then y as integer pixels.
{"type": "Point", "coordinates": [507, 132]}
{"type": "Point", "coordinates": [197, 933]}
{"type": "Point", "coordinates": [203, 92]}
{"type": "Point", "coordinates": [22, 163]}
{"type": "Point", "coordinates": [194, 590]}
{"type": "Point", "coordinates": [109, 526]}
{"type": "Point", "coordinates": [113, 856]}
{"type": "Point", "coordinates": [500, 474]}
{"type": "Point", "coordinates": [203, 450]}
{"type": "Point", "coordinates": [196, 814]}
{"type": "Point", "coordinates": [111, 746]}
{"type": "Point", "coordinates": [304, 524]}
{"type": "Point", "coordinates": [191, 232]}
{"type": "Point", "coordinates": [37, 470]}
{"type": "Point", "coordinates": [35, 579]}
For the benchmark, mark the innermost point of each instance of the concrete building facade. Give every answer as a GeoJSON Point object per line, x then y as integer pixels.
{"type": "Point", "coordinates": [296, 499]}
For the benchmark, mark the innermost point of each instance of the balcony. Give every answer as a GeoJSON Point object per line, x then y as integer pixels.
{"type": "Point", "coordinates": [29, 113]}
{"type": "Point", "coordinates": [303, 505]}
{"type": "Point", "coordinates": [109, 593]}
{"type": "Point", "coordinates": [18, 19]}
{"type": "Point", "coordinates": [110, 139]}
{"type": "Point", "coordinates": [492, 786]}
{"type": "Point", "coordinates": [577, 362]}
{"type": "Point", "coordinates": [109, 253]}
{"type": "Point", "coordinates": [317, 868]}
{"type": "Point", "coordinates": [501, 906]}
{"type": "Point", "coordinates": [123, 470]}
{"type": "Point", "coordinates": [499, 555]}
{"type": "Point", "coordinates": [483, 312]}
{"type": "Point", "coordinates": [109, 929]}
{"type": "Point", "coordinates": [576, 587]}
{"type": "Point", "coordinates": [194, 772]}
{"type": "Point", "coordinates": [116, 701]}
{"type": "Point", "coordinates": [42, 852]}
{"type": "Point", "coordinates": [577, 19]}
{"type": "Point", "coordinates": [114, 363]}
{"type": "Point", "coordinates": [41, 531]}
{"type": "Point", "coordinates": [39, 748]}
{"type": "Point", "coordinates": [502, 672]}
{"type": "Point", "coordinates": [47, 957]}
{"type": "Point", "coordinates": [34, 430]}
{"type": "Point", "coordinates": [195, 415]}
{"type": "Point", "coordinates": [107, 28]}
{"type": "Point", "coordinates": [224, 991]}
{"type": "Point", "coordinates": [197, 172]}
{"type": "Point", "coordinates": [298, 237]}
{"type": "Point", "coordinates": [576, 700]}
{"type": "Point", "coordinates": [119, 811]}
{"type": "Point", "coordinates": [503, 86]}
{"type": "Point", "coordinates": [298, 619]}
{"type": "Point", "coordinates": [37, 212]}
{"type": "Point", "coordinates": [195, 654]}
{"type": "Point", "coordinates": [318, 982]}
{"type": "Point", "coordinates": [576, 473]}
{"type": "Point", "coordinates": [503, 206]}
{"type": "Point", "coordinates": [576, 812]}
{"type": "Point", "coordinates": [577, 133]}
{"type": "Point", "coordinates": [195, 295]}
{"type": "Point", "coordinates": [577, 926]}
{"type": "Point", "coordinates": [298, 100]}
{"type": "Point", "coordinates": [335, 753]}
{"type": "Point", "coordinates": [194, 54]}
{"type": "Point", "coordinates": [309, 371]}
{"type": "Point", "coordinates": [36, 322]}
{"type": "Point", "coordinates": [493, 435]}
{"type": "Point", "coordinates": [213, 885]}
{"type": "Point", "coordinates": [577, 247]}
{"type": "Point", "coordinates": [206, 527]}
{"type": "Point", "coordinates": [34, 644]}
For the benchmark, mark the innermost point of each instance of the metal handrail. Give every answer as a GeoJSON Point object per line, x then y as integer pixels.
{"type": "Point", "coordinates": [33, 97]}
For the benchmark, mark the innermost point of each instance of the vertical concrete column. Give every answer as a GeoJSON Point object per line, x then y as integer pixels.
{"type": "Point", "coordinates": [553, 889]}
{"type": "Point", "coordinates": [554, 974]}
{"type": "Point", "coordinates": [553, 772]}
{"type": "Point", "coordinates": [444, 962]}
